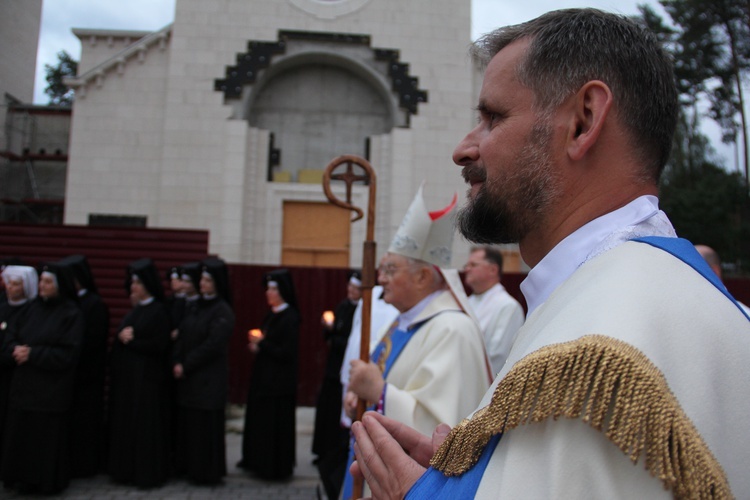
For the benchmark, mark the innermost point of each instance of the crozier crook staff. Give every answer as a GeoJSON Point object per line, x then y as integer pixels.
{"type": "Point", "coordinates": [368, 253]}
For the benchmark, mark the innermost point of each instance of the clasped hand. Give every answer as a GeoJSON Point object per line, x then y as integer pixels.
{"type": "Point", "coordinates": [392, 456]}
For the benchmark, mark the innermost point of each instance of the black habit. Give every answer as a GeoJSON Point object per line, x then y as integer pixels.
{"type": "Point", "coordinates": [268, 443]}
{"type": "Point", "coordinates": [9, 315]}
{"type": "Point", "coordinates": [87, 415]}
{"type": "Point", "coordinates": [328, 407]}
{"type": "Point", "coordinates": [330, 440]}
{"type": "Point", "coordinates": [138, 451]}
{"type": "Point", "coordinates": [202, 350]}
{"type": "Point", "coordinates": [35, 448]}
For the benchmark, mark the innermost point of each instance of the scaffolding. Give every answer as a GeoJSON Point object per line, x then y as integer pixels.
{"type": "Point", "coordinates": [32, 162]}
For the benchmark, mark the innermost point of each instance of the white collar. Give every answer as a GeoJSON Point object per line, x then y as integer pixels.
{"type": "Point", "coordinates": [146, 302]}
{"type": "Point", "coordinates": [405, 319]}
{"type": "Point", "coordinates": [280, 308]}
{"type": "Point", "coordinates": [641, 217]}
{"type": "Point", "coordinates": [479, 297]}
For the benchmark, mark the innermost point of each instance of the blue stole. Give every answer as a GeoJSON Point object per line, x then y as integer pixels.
{"type": "Point", "coordinates": [686, 252]}
{"type": "Point", "coordinates": [435, 485]}
{"type": "Point", "coordinates": [392, 345]}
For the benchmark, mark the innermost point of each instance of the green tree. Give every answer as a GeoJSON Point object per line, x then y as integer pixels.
{"type": "Point", "coordinates": [59, 93]}
{"type": "Point", "coordinates": [705, 203]}
{"type": "Point", "coordinates": [712, 51]}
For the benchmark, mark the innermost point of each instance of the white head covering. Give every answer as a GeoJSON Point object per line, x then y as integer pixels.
{"type": "Point", "coordinates": [25, 273]}
{"type": "Point", "coordinates": [428, 236]}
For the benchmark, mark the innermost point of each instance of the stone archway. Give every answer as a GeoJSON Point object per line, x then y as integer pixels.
{"type": "Point", "coordinates": [317, 112]}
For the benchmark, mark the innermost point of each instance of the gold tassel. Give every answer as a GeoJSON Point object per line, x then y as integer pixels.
{"type": "Point", "coordinates": [613, 387]}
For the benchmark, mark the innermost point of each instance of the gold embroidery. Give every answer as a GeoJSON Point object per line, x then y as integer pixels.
{"type": "Point", "coordinates": [613, 387]}
{"type": "Point", "coordinates": [388, 345]}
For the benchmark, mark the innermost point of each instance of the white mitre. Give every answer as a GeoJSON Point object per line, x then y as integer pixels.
{"type": "Point", "coordinates": [424, 235]}
{"type": "Point", "coordinates": [428, 236]}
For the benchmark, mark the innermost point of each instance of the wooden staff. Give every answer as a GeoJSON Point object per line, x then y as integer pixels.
{"type": "Point", "coordinates": [368, 254]}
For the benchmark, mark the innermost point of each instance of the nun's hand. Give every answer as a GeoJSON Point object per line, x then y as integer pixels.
{"type": "Point", "coordinates": [126, 334]}
{"type": "Point", "coordinates": [21, 354]}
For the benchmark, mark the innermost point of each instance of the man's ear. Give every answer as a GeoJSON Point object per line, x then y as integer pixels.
{"type": "Point", "coordinates": [424, 277]}
{"type": "Point", "coordinates": [590, 108]}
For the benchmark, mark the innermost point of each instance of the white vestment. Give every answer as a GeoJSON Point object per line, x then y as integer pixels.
{"type": "Point", "coordinates": [442, 372]}
{"type": "Point", "coordinates": [500, 316]}
{"type": "Point", "coordinates": [695, 337]}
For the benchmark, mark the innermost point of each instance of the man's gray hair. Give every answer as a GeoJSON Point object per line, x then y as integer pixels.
{"type": "Point", "coordinates": [437, 276]}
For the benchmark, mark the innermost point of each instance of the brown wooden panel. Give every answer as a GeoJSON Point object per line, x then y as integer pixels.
{"type": "Point", "coordinates": [315, 234]}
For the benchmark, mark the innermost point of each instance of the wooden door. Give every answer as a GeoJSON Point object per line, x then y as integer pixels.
{"type": "Point", "coordinates": [315, 234]}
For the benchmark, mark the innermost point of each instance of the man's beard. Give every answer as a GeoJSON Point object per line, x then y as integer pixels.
{"type": "Point", "coordinates": [506, 209]}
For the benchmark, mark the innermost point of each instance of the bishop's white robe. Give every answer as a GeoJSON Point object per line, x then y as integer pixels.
{"type": "Point", "coordinates": [442, 372]}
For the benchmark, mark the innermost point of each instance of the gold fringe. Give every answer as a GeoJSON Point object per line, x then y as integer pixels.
{"type": "Point", "coordinates": [613, 387]}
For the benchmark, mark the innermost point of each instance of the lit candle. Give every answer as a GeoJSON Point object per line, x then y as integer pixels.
{"type": "Point", "coordinates": [255, 333]}
{"type": "Point", "coordinates": [328, 318]}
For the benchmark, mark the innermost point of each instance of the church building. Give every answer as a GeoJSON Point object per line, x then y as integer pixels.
{"type": "Point", "coordinates": [226, 119]}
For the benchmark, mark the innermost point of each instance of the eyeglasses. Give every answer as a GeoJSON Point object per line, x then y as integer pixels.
{"type": "Point", "coordinates": [388, 270]}
{"type": "Point", "coordinates": [472, 265]}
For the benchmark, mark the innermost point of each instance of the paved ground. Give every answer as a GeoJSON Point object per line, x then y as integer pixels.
{"type": "Point", "coordinates": [237, 484]}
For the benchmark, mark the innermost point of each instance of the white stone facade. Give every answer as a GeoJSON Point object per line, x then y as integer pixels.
{"type": "Point", "coordinates": [152, 137]}
{"type": "Point", "coordinates": [19, 38]}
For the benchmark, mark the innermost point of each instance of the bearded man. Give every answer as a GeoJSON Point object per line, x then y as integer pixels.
{"type": "Point", "coordinates": [629, 376]}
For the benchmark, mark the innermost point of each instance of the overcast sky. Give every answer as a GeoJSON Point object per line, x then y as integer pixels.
{"type": "Point", "coordinates": [59, 17]}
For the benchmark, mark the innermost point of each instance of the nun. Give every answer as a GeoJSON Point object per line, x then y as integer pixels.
{"type": "Point", "coordinates": [191, 273]}
{"type": "Point", "coordinates": [5, 262]}
{"type": "Point", "coordinates": [201, 368]}
{"type": "Point", "coordinates": [175, 301]}
{"type": "Point", "coordinates": [138, 451]}
{"type": "Point", "coordinates": [45, 348]}
{"type": "Point", "coordinates": [268, 441]}
{"type": "Point", "coordinates": [87, 415]}
{"type": "Point", "coordinates": [189, 277]}
{"type": "Point", "coordinates": [21, 286]}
